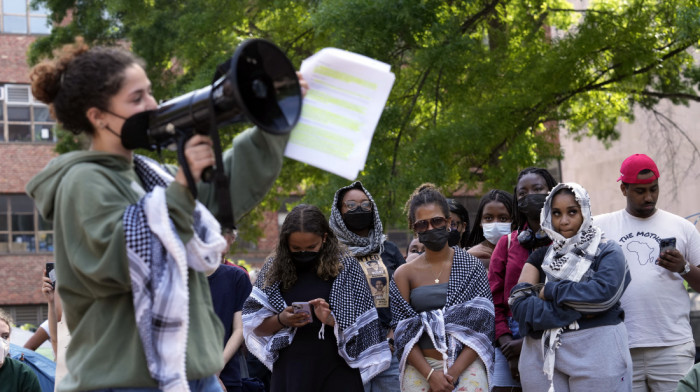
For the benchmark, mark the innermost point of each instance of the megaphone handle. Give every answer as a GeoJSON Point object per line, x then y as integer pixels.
{"type": "Point", "coordinates": [185, 166]}
{"type": "Point", "coordinates": [208, 174]}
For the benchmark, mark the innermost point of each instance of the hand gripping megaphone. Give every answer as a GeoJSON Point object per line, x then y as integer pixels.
{"type": "Point", "coordinates": [258, 84]}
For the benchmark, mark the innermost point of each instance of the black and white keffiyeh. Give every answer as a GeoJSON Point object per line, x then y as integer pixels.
{"type": "Point", "coordinates": [566, 259]}
{"type": "Point", "coordinates": [158, 263]}
{"type": "Point", "coordinates": [358, 246]}
{"type": "Point", "coordinates": [361, 342]}
{"type": "Point", "coordinates": [467, 320]}
{"type": "Point", "coordinates": [570, 258]}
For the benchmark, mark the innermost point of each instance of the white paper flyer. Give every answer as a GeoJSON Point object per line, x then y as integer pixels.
{"type": "Point", "coordinates": [346, 97]}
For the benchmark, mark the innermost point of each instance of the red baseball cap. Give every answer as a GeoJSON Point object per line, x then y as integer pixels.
{"type": "Point", "coordinates": [633, 165]}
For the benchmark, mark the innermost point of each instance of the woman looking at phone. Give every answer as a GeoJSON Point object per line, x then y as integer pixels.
{"type": "Point", "coordinates": [118, 216]}
{"type": "Point", "coordinates": [574, 336]}
{"type": "Point", "coordinates": [442, 290]}
{"type": "Point", "coordinates": [340, 345]}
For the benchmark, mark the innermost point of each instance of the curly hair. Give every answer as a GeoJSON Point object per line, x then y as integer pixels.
{"type": "Point", "coordinates": [305, 218]}
{"type": "Point", "coordinates": [476, 236]}
{"type": "Point", "coordinates": [426, 193]}
{"type": "Point", "coordinates": [519, 218]}
{"type": "Point", "coordinates": [79, 78]}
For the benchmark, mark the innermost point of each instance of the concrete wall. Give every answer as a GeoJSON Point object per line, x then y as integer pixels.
{"type": "Point", "coordinates": [676, 151]}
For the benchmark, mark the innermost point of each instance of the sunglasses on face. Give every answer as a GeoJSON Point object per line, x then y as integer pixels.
{"type": "Point", "coordinates": [437, 222]}
{"type": "Point", "coordinates": [365, 205]}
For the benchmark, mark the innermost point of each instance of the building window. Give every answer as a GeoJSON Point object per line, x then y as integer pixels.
{"type": "Point", "coordinates": [22, 229]}
{"type": "Point", "coordinates": [23, 119]}
{"type": "Point", "coordinates": [19, 17]}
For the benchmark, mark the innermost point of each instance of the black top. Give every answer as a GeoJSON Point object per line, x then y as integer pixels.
{"type": "Point", "coordinates": [230, 287]}
{"type": "Point", "coordinates": [310, 363]}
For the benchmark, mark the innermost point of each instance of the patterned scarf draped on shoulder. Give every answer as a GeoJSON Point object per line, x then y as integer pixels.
{"type": "Point", "coordinates": [358, 246]}
{"type": "Point", "coordinates": [357, 329]}
{"type": "Point", "coordinates": [467, 320]}
{"type": "Point", "coordinates": [570, 258]}
{"type": "Point", "coordinates": [158, 263]}
{"type": "Point", "coordinates": [566, 259]}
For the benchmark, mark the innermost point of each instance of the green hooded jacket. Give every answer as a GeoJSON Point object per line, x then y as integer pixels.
{"type": "Point", "coordinates": [85, 194]}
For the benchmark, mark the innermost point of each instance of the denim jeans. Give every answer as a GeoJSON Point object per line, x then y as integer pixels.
{"type": "Point", "coordinates": [386, 381]}
{"type": "Point", "coordinates": [207, 384]}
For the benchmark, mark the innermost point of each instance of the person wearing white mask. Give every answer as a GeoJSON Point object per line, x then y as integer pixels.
{"type": "Point", "coordinates": [14, 375]}
{"type": "Point", "coordinates": [494, 219]}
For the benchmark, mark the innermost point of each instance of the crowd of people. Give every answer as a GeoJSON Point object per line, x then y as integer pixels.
{"type": "Point", "coordinates": [535, 295]}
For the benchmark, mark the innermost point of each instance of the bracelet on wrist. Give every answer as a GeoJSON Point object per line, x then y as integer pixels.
{"type": "Point", "coordinates": [280, 320]}
{"type": "Point", "coordinates": [430, 374]}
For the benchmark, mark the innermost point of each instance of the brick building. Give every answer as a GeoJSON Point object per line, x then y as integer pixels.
{"type": "Point", "coordinates": [26, 145]}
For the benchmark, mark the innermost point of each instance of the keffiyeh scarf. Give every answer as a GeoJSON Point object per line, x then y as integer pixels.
{"type": "Point", "coordinates": [358, 246]}
{"type": "Point", "coordinates": [467, 320]}
{"type": "Point", "coordinates": [361, 342]}
{"type": "Point", "coordinates": [158, 263]}
{"type": "Point", "coordinates": [566, 259]}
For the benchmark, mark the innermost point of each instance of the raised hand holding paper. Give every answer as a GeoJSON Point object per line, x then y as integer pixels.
{"type": "Point", "coordinates": [346, 97]}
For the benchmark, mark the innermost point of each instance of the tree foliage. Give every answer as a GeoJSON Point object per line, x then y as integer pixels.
{"type": "Point", "coordinates": [481, 89]}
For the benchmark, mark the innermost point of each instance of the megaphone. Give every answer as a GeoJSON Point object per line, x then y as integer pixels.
{"type": "Point", "coordinates": [258, 83]}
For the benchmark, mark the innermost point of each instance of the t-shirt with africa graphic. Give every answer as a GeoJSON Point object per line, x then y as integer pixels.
{"type": "Point", "coordinates": [656, 304]}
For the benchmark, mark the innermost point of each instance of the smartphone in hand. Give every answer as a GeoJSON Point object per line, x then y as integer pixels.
{"type": "Point", "coordinates": [51, 273]}
{"type": "Point", "coordinates": [302, 307]}
{"type": "Point", "coordinates": [666, 244]}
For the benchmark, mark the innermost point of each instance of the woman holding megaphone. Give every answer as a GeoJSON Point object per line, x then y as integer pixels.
{"type": "Point", "coordinates": [132, 244]}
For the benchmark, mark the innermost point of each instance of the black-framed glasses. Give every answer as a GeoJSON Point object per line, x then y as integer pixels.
{"type": "Point", "coordinates": [352, 204]}
{"type": "Point", "coordinates": [437, 222]}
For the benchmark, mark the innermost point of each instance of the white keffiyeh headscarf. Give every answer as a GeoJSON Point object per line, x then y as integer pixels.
{"type": "Point", "coordinates": [566, 259]}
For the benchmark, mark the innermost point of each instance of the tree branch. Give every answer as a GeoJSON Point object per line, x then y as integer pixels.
{"type": "Point", "coordinates": [584, 11]}
{"type": "Point", "coordinates": [658, 94]}
{"type": "Point", "coordinates": [470, 22]}
{"type": "Point", "coordinates": [406, 121]}
{"type": "Point", "coordinates": [437, 97]}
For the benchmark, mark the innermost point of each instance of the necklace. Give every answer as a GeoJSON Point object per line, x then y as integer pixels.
{"type": "Point", "coordinates": [437, 277]}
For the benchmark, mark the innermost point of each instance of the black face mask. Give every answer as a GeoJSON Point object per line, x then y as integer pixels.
{"type": "Point", "coordinates": [304, 260]}
{"type": "Point", "coordinates": [434, 239]}
{"type": "Point", "coordinates": [358, 219]}
{"type": "Point", "coordinates": [531, 205]}
{"type": "Point", "coordinates": [453, 237]}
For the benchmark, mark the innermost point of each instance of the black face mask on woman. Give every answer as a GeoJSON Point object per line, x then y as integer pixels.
{"type": "Point", "coordinates": [531, 205]}
{"type": "Point", "coordinates": [358, 219]}
{"type": "Point", "coordinates": [453, 237]}
{"type": "Point", "coordinates": [304, 260]}
{"type": "Point", "coordinates": [434, 239]}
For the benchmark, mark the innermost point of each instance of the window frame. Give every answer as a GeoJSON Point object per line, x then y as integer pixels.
{"type": "Point", "coordinates": [22, 98]}
{"type": "Point", "coordinates": [10, 247]}
{"type": "Point", "coordinates": [27, 15]}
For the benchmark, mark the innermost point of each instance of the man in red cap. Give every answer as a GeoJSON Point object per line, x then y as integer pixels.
{"type": "Point", "coordinates": [656, 303]}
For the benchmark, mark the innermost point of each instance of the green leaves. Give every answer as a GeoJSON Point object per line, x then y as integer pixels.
{"type": "Point", "coordinates": [482, 88]}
